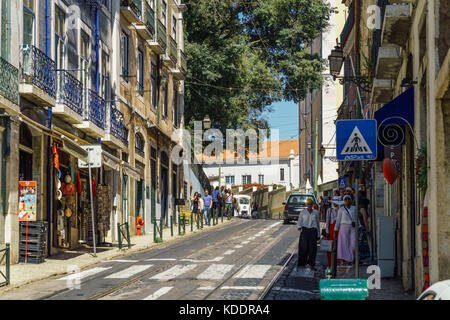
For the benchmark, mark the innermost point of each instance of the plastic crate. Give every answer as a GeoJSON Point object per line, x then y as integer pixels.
{"type": "Point", "coordinates": [32, 259]}
{"type": "Point", "coordinates": [32, 247]}
{"type": "Point", "coordinates": [344, 289]}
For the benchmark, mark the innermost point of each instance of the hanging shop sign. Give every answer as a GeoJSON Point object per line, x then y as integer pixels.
{"type": "Point", "coordinates": [94, 157]}
{"type": "Point", "coordinates": [27, 200]}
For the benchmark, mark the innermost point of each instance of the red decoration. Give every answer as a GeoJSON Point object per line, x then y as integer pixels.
{"type": "Point", "coordinates": [79, 182]}
{"type": "Point", "coordinates": [389, 170]}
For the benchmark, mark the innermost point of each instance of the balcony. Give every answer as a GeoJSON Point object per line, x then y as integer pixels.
{"type": "Point", "coordinates": [182, 61]}
{"type": "Point", "coordinates": [146, 29]}
{"type": "Point", "coordinates": [170, 59]}
{"type": "Point", "coordinates": [116, 134]}
{"type": "Point", "coordinates": [396, 25]}
{"type": "Point", "coordinates": [348, 27]}
{"type": "Point", "coordinates": [389, 62]}
{"type": "Point", "coordinates": [69, 98]}
{"type": "Point", "coordinates": [180, 68]}
{"type": "Point", "coordinates": [159, 43]}
{"type": "Point", "coordinates": [94, 115]}
{"type": "Point", "coordinates": [381, 91]}
{"type": "Point", "coordinates": [37, 76]}
{"type": "Point", "coordinates": [131, 10]}
{"type": "Point", "coordinates": [9, 86]}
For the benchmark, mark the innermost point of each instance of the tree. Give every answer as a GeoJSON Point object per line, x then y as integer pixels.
{"type": "Point", "coordinates": [244, 55]}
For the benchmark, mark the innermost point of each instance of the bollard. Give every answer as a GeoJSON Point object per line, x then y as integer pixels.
{"type": "Point", "coordinates": [184, 225]}
{"type": "Point", "coordinates": [198, 222]}
{"type": "Point", "coordinates": [128, 235]}
{"type": "Point", "coordinates": [179, 225]}
{"type": "Point", "coordinates": [119, 235]}
{"type": "Point", "coordinates": [221, 217]}
{"type": "Point", "coordinates": [201, 224]}
{"type": "Point", "coordinates": [209, 217]}
{"type": "Point", "coordinates": [8, 262]}
{"type": "Point", "coordinates": [192, 223]}
{"type": "Point", "coordinates": [171, 226]}
{"type": "Point", "coordinates": [154, 230]}
{"type": "Point", "coordinates": [161, 228]}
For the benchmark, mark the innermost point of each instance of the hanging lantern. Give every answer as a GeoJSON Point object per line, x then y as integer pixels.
{"type": "Point", "coordinates": [389, 170]}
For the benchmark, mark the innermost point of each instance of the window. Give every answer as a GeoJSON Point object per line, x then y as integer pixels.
{"type": "Point", "coordinates": [175, 106]}
{"type": "Point", "coordinates": [139, 144]}
{"type": "Point", "coordinates": [84, 63]}
{"type": "Point", "coordinates": [164, 13]}
{"type": "Point", "coordinates": [28, 22]}
{"type": "Point", "coordinates": [152, 4]}
{"type": "Point", "coordinates": [229, 180]}
{"type": "Point", "coordinates": [59, 38]}
{"type": "Point", "coordinates": [124, 48]}
{"type": "Point", "coordinates": [246, 179]}
{"type": "Point", "coordinates": [105, 76]}
{"type": "Point", "coordinates": [261, 179]}
{"type": "Point", "coordinates": [140, 73]}
{"type": "Point", "coordinates": [165, 93]}
{"type": "Point", "coordinates": [300, 199]}
{"type": "Point", "coordinates": [174, 28]}
{"type": "Point", "coordinates": [281, 174]}
{"type": "Point", "coordinates": [153, 83]}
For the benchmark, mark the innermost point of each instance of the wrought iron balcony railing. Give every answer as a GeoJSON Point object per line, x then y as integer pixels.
{"type": "Point", "coordinates": [139, 152]}
{"type": "Point", "coordinates": [173, 54]}
{"type": "Point", "coordinates": [116, 124]}
{"type": "Point", "coordinates": [69, 91]}
{"type": "Point", "coordinates": [37, 69]}
{"type": "Point", "coordinates": [95, 110]}
{"type": "Point", "coordinates": [9, 81]}
{"type": "Point", "coordinates": [162, 40]}
{"type": "Point", "coordinates": [135, 5]}
{"type": "Point", "coordinates": [140, 88]}
{"type": "Point", "coordinates": [150, 19]}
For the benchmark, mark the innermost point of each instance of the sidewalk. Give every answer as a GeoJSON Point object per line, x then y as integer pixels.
{"type": "Point", "coordinates": [22, 273]}
{"type": "Point", "coordinates": [391, 288]}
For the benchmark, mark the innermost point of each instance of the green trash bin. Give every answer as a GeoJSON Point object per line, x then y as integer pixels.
{"type": "Point", "coordinates": [344, 289]}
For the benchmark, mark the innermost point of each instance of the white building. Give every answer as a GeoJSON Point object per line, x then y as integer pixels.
{"type": "Point", "coordinates": [281, 170]}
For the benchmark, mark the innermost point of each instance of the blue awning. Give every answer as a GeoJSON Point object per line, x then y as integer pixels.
{"type": "Point", "coordinates": [401, 106]}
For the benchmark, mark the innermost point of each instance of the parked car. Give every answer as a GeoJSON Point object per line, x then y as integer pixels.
{"type": "Point", "coordinates": [295, 203]}
{"type": "Point", "coordinates": [242, 206]}
{"type": "Point", "coordinates": [438, 291]}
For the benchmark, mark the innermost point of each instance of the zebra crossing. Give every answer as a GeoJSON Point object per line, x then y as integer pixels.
{"type": "Point", "coordinates": [202, 270]}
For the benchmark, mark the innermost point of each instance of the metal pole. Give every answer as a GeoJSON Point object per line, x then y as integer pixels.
{"type": "Point", "coordinates": [8, 262]}
{"type": "Point", "coordinates": [356, 230]}
{"type": "Point", "coordinates": [192, 223]}
{"type": "Point", "coordinates": [128, 235]}
{"type": "Point", "coordinates": [119, 235]}
{"type": "Point", "coordinates": [92, 207]}
{"type": "Point", "coordinates": [154, 229]}
{"type": "Point", "coordinates": [179, 225]}
{"type": "Point", "coordinates": [316, 155]}
{"type": "Point", "coordinates": [171, 226]}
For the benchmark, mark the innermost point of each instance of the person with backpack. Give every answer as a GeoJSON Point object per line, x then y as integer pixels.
{"type": "Point", "coordinates": [215, 195]}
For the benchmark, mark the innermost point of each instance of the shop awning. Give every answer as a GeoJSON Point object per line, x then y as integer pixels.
{"type": "Point", "coordinates": [402, 106]}
{"type": "Point", "coordinates": [110, 161]}
{"type": "Point", "coordinates": [74, 149]}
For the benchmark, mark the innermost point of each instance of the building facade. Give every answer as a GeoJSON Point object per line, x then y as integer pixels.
{"type": "Point", "coordinates": [402, 49]}
{"type": "Point", "coordinates": [77, 73]}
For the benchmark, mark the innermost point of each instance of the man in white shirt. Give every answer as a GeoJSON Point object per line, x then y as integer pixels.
{"type": "Point", "coordinates": [308, 225]}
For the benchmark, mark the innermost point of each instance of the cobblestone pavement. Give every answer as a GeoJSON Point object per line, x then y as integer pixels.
{"type": "Point", "coordinates": [304, 284]}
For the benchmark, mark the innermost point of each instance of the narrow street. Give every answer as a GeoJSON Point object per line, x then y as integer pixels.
{"type": "Point", "coordinates": [234, 262]}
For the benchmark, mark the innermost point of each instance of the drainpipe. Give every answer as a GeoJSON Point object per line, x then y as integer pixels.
{"type": "Point", "coordinates": [49, 186]}
{"type": "Point", "coordinates": [47, 27]}
{"type": "Point", "coordinates": [5, 152]}
{"type": "Point", "coordinates": [96, 50]}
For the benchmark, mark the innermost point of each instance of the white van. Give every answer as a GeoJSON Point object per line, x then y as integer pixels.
{"type": "Point", "coordinates": [243, 206]}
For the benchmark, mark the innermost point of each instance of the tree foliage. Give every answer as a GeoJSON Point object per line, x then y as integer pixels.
{"type": "Point", "coordinates": [243, 55]}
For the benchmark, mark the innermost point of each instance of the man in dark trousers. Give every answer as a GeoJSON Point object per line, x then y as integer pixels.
{"type": "Point", "coordinates": [308, 225]}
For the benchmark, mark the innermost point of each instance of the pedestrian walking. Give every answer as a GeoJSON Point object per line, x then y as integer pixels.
{"type": "Point", "coordinates": [216, 204]}
{"type": "Point", "coordinates": [195, 206]}
{"type": "Point", "coordinates": [228, 203]}
{"type": "Point", "coordinates": [308, 225]}
{"type": "Point", "coordinates": [363, 217]}
{"type": "Point", "coordinates": [222, 201]}
{"type": "Point", "coordinates": [207, 205]}
{"type": "Point", "coordinates": [344, 231]}
{"type": "Point", "coordinates": [330, 222]}
{"type": "Point", "coordinates": [201, 206]}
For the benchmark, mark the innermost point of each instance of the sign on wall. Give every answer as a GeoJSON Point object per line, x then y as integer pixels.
{"type": "Point", "coordinates": [27, 200]}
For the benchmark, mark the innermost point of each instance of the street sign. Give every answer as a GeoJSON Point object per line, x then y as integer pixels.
{"type": "Point", "coordinates": [94, 156]}
{"type": "Point", "coordinates": [356, 140]}
{"type": "Point", "coordinates": [342, 182]}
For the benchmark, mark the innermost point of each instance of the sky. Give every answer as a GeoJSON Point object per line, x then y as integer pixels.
{"type": "Point", "coordinates": [285, 118]}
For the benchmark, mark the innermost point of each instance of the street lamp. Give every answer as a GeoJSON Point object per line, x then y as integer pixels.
{"type": "Point", "coordinates": [336, 59]}
{"type": "Point", "coordinates": [207, 122]}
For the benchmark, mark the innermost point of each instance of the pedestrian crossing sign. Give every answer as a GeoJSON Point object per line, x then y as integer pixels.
{"type": "Point", "coordinates": [356, 140]}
